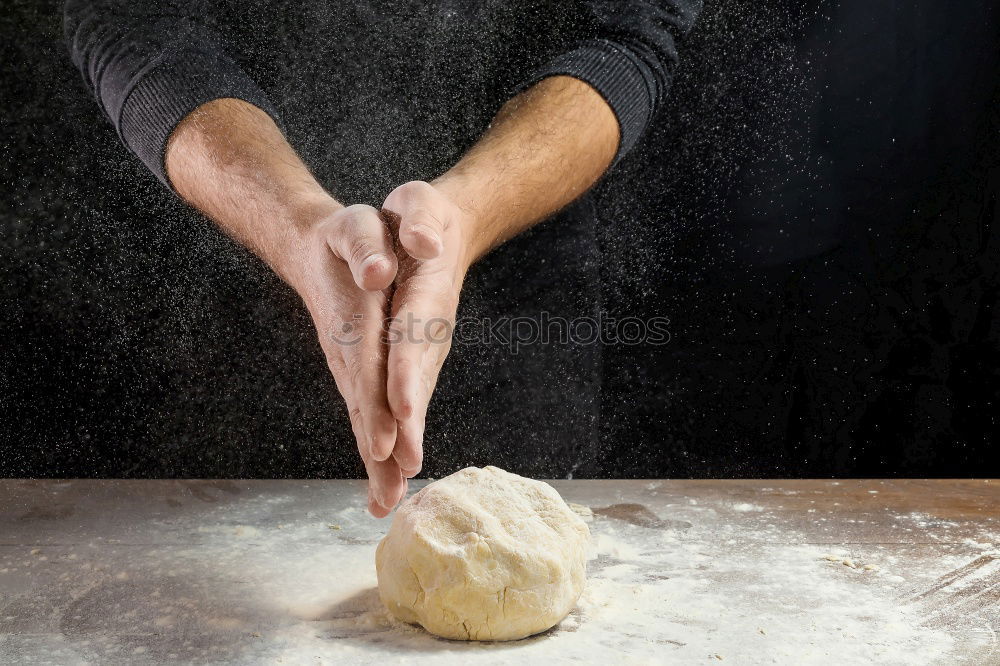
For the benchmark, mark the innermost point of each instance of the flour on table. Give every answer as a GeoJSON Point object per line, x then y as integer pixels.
{"type": "Point", "coordinates": [753, 591]}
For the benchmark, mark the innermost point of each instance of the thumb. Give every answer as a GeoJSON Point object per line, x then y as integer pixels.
{"type": "Point", "coordinates": [421, 228]}
{"type": "Point", "coordinates": [360, 238]}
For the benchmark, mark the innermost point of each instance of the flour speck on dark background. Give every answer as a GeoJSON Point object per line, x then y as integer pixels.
{"type": "Point", "coordinates": [815, 212]}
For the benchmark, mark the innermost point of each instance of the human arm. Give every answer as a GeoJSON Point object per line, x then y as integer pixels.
{"type": "Point", "coordinates": [545, 148]}
{"type": "Point", "coordinates": [230, 160]}
{"type": "Point", "coordinates": [180, 101]}
{"type": "Point", "coordinates": [579, 112]}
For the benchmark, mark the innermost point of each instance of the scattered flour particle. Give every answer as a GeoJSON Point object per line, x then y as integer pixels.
{"type": "Point", "coordinates": [849, 562]}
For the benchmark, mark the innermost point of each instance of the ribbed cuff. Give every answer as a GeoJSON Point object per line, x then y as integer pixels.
{"type": "Point", "coordinates": [622, 79]}
{"type": "Point", "coordinates": [173, 88]}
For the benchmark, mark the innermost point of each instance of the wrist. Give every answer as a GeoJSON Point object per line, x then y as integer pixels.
{"type": "Point", "coordinates": [467, 193]}
{"type": "Point", "coordinates": [292, 237]}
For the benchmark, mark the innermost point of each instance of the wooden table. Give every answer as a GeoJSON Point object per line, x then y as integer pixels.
{"type": "Point", "coordinates": [733, 572]}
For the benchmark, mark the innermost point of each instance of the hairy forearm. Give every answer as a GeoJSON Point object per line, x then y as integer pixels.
{"type": "Point", "coordinates": [544, 149]}
{"type": "Point", "coordinates": [229, 160]}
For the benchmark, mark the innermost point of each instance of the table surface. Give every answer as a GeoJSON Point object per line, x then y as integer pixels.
{"type": "Point", "coordinates": [742, 572]}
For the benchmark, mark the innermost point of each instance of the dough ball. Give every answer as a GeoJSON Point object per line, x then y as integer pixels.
{"type": "Point", "coordinates": [483, 554]}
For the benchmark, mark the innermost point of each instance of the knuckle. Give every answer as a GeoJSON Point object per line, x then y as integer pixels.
{"type": "Point", "coordinates": [402, 364]}
{"type": "Point", "coordinates": [416, 188]}
{"type": "Point", "coordinates": [407, 194]}
{"type": "Point", "coordinates": [359, 250]}
{"type": "Point", "coordinates": [354, 415]}
{"type": "Point", "coordinates": [354, 217]}
{"type": "Point", "coordinates": [421, 216]}
{"type": "Point", "coordinates": [359, 211]}
{"type": "Point", "coordinates": [355, 370]}
{"type": "Point", "coordinates": [334, 361]}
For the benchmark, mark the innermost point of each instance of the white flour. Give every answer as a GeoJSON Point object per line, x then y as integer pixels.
{"type": "Point", "coordinates": [713, 592]}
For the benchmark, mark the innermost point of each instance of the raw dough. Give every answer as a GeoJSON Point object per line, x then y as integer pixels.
{"type": "Point", "coordinates": [483, 554]}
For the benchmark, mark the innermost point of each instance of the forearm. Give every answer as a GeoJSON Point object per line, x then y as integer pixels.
{"type": "Point", "coordinates": [229, 160]}
{"type": "Point", "coordinates": [591, 105]}
{"type": "Point", "coordinates": [544, 149]}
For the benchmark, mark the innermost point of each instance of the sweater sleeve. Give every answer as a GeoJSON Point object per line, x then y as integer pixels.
{"type": "Point", "coordinates": [150, 66]}
{"type": "Point", "coordinates": [627, 51]}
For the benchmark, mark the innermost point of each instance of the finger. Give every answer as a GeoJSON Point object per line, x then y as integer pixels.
{"type": "Point", "coordinates": [386, 484]}
{"type": "Point", "coordinates": [415, 360]}
{"type": "Point", "coordinates": [347, 342]}
{"type": "Point", "coordinates": [367, 378]}
{"type": "Point", "coordinates": [410, 432]}
{"type": "Point", "coordinates": [380, 511]}
{"type": "Point", "coordinates": [360, 237]}
{"type": "Point", "coordinates": [403, 380]}
{"type": "Point", "coordinates": [356, 354]}
{"type": "Point", "coordinates": [365, 362]}
{"type": "Point", "coordinates": [408, 453]}
{"type": "Point", "coordinates": [371, 420]}
{"type": "Point", "coordinates": [377, 509]}
{"type": "Point", "coordinates": [421, 232]}
{"type": "Point", "coordinates": [384, 477]}
{"type": "Point", "coordinates": [380, 424]}
{"type": "Point", "coordinates": [406, 398]}
{"type": "Point", "coordinates": [420, 341]}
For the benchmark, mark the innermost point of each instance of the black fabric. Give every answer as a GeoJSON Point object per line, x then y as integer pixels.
{"type": "Point", "coordinates": [173, 88]}
{"type": "Point", "coordinates": [618, 77]}
{"type": "Point", "coordinates": [628, 53]}
{"type": "Point", "coordinates": [815, 209]}
{"type": "Point", "coordinates": [150, 66]}
{"type": "Point", "coordinates": [149, 70]}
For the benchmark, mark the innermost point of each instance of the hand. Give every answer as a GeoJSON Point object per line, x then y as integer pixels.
{"type": "Point", "coordinates": [433, 260]}
{"type": "Point", "coordinates": [230, 160]}
{"type": "Point", "coordinates": [342, 265]}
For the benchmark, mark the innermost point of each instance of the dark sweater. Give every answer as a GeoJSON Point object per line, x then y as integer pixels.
{"type": "Point", "coordinates": [371, 99]}
{"type": "Point", "coordinates": [150, 65]}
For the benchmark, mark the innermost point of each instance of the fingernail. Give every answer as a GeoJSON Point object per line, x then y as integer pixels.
{"type": "Point", "coordinates": [373, 267]}
{"type": "Point", "coordinates": [374, 261]}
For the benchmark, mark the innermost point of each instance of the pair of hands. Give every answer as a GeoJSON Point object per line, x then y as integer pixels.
{"type": "Point", "coordinates": [356, 266]}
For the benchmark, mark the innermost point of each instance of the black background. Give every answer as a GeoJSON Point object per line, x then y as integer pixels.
{"type": "Point", "coordinates": [815, 212]}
